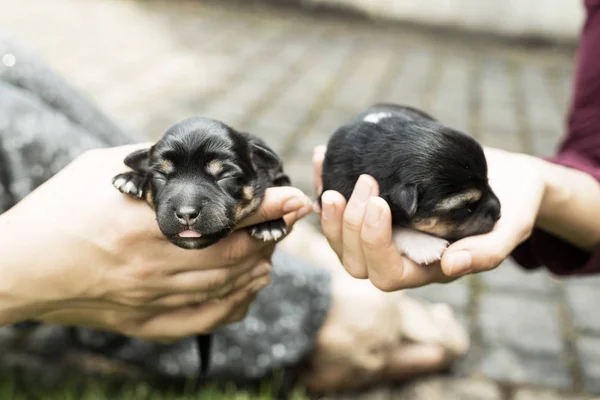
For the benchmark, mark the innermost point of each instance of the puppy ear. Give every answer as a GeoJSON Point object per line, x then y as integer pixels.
{"type": "Point", "coordinates": [262, 155]}
{"type": "Point", "coordinates": [405, 197]}
{"type": "Point", "coordinates": [139, 160]}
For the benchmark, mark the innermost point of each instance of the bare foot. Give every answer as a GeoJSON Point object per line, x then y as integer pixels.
{"type": "Point", "coordinates": [370, 336]}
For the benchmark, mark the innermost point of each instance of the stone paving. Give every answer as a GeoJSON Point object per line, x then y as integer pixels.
{"type": "Point", "coordinates": [292, 78]}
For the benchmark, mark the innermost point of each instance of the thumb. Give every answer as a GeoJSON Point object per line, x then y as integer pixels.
{"type": "Point", "coordinates": [278, 202]}
{"type": "Point", "coordinates": [482, 252]}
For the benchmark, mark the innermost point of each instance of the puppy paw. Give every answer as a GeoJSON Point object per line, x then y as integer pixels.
{"type": "Point", "coordinates": [269, 231]}
{"type": "Point", "coordinates": [420, 247]}
{"type": "Point", "coordinates": [130, 183]}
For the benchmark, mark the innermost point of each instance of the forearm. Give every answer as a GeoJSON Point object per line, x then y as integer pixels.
{"type": "Point", "coordinates": [570, 208]}
{"type": "Point", "coordinates": [16, 302]}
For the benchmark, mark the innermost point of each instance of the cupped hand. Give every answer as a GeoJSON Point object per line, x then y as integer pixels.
{"type": "Point", "coordinates": [76, 251]}
{"type": "Point", "coordinates": [360, 230]}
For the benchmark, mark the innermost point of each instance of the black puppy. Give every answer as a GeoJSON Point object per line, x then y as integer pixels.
{"type": "Point", "coordinates": [434, 178]}
{"type": "Point", "coordinates": [201, 178]}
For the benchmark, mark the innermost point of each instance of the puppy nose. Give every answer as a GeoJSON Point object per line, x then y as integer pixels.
{"type": "Point", "coordinates": [493, 212]}
{"type": "Point", "coordinates": [187, 215]}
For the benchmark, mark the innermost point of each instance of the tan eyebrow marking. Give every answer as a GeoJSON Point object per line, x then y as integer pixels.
{"type": "Point", "coordinates": [459, 200]}
{"type": "Point", "coordinates": [248, 192]}
{"type": "Point", "coordinates": [214, 167]}
{"type": "Point", "coordinates": [166, 166]}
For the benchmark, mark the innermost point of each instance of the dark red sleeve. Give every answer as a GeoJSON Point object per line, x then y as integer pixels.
{"type": "Point", "coordinates": [579, 150]}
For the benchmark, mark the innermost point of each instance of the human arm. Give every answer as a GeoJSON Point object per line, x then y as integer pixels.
{"type": "Point", "coordinates": [76, 251]}
{"type": "Point", "coordinates": [535, 194]}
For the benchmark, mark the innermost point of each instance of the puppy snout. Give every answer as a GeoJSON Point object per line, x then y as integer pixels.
{"type": "Point", "coordinates": [187, 215]}
{"type": "Point", "coordinates": [492, 210]}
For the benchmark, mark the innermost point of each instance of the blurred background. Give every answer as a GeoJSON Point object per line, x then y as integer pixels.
{"type": "Point", "coordinates": [292, 70]}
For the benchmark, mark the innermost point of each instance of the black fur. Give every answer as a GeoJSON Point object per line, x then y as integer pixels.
{"type": "Point", "coordinates": [418, 163]}
{"type": "Point", "coordinates": [175, 178]}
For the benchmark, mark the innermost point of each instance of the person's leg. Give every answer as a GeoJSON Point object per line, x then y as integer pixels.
{"type": "Point", "coordinates": [370, 336]}
{"type": "Point", "coordinates": [44, 124]}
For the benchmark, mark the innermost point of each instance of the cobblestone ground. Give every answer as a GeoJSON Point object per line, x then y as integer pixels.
{"type": "Point", "coordinates": [292, 78]}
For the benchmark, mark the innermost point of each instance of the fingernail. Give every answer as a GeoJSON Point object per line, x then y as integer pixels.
{"type": "Point", "coordinates": [304, 211]}
{"type": "Point", "coordinates": [295, 203]}
{"type": "Point", "coordinates": [459, 262]}
{"type": "Point", "coordinates": [262, 269]}
{"type": "Point", "coordinates": [362, 190]}
{"type": "Point", "coordinates": [373, 213]}
{"type": "Point", "coordinates": [328, 204]}
{"type": "Point", "coordinates": [259, 284]}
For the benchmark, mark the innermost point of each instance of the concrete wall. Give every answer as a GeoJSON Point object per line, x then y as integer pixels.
{"type": "Point", "coordinates": [549, 19]}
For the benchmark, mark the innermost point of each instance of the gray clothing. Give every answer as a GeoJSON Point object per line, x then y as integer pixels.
{"type": "Point", "coordinates": [44, 124]}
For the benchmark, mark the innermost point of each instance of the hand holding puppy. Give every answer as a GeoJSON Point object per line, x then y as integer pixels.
{"type": "Point", "coordinates": [360, 231]}
{"type": "Point", "coordinates": [76, 251]}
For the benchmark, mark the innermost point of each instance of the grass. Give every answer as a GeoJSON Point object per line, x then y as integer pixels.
{"type": "Point", "coordinates": [15, 389]}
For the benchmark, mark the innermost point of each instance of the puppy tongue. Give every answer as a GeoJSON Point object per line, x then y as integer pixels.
{"type": "Point", "coordinates": [189, 234]}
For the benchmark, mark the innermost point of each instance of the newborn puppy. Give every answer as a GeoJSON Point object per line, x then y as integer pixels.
{"type": "Point", "coordinates": [202, 178]}
{"type": "Point", "coordinates": [434, 178]}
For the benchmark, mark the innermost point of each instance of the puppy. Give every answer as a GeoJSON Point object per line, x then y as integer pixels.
{"type": "Point", "coordinates": [202, 178]}
{"type": "Point", "coordinates": [434, 178]}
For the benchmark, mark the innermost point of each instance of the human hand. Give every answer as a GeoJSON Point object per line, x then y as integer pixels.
{"type": "Point", "coordinates": [361, 235]}
{"type": "Point", "coordinates": [76, 251]}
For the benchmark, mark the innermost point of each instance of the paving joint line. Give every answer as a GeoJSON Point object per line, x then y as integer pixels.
{"type": "Point", "coordinates": [237, 75]}
{"type": "Point", "coordinates": [324, 99]}
{"type": "Point", "coordinates": [569, 336]}
{"type": "Point", "coordinates": [476, 352]}
{"type": "Point", "coordinates": [524, 129]}
{"type": "Point", "coordinates": [298, 65]}
{"type": "Point", "coordinates": [392, 72]}
{"type": "Point", "coordinates": [474, 98]}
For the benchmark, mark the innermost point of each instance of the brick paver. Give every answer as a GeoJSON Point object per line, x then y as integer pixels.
{"type": "Point", "coordinates": [292, 78]}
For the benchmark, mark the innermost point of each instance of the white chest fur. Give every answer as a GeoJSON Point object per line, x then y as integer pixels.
{"type": "Point", "coordinates": [420, 247]}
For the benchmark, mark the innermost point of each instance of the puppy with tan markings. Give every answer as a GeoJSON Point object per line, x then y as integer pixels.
{"type": "Point", "coordinates": [434, 178]}
{"type": "Point", "coordinates": [201, 178]}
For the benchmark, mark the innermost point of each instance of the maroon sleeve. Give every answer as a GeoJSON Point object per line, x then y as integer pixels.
{"type": "Point", "coordinates": [579, 150]}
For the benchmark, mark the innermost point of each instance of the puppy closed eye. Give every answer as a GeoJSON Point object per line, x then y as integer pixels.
{"type": "Point", "coordinates": [165, 167]}
{"type": "Point", "coordinates": [471, 206]}
{"type": "Point", "coordinates": [228, 175]}
{"type": "Point", "coordinates": [467, 200]}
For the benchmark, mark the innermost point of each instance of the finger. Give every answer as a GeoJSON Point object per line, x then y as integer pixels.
{"type": "Point", "coordinates": [483, 252]}
{"type": "Point", "coordinates": [243, 309]}
{"type": "Point", "coordinates": [352, 255]}
{"type": "Point", "coordinates": [241, 312]}
{"type": "Point", "coordinates": [278, 201]}
{"type": "Point", "coordinates": [293, 217]}
{"type": "Point", "coordinates": [200, 319]}
{"type": "Point", "coordinates": [332, 217]}
{"type": "Point", "coordinates": [191, 297]}
{"type": "Point", "coordinates": [239, 247]}
{"type": "Point", "coordinates": [387, 269]}
{"type": "Point", "coordinates": [254, 281]}
{"type": "Point", "coordinates": [254, 287]}
{"type": "Point", "coordinates": [317, 162]}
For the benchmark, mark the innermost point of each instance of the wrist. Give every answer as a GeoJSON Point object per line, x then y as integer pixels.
{"type": "Point", "coordinates": [570, 205]}
{"type": "Point", "coordinates": [556, 193]}
{"type": "Point", "coordinates": [19, 293]}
